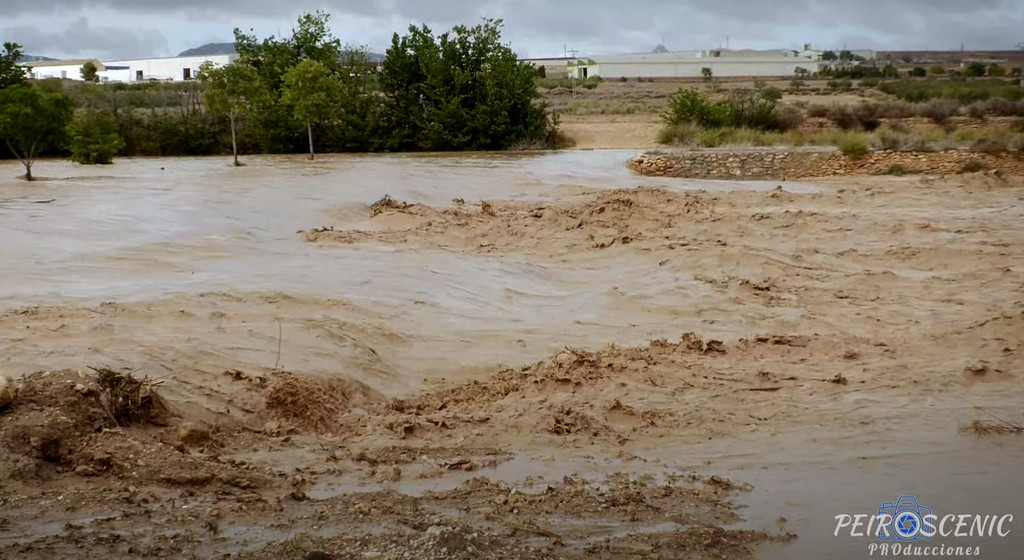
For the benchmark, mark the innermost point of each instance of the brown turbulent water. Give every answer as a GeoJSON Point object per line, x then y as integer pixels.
{"type": "Point", "coordinates": [909, 290]}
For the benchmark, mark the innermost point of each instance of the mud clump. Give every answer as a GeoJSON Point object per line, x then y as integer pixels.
{"type": "Point", "coordinates": [596, 221]}
{"type": "Point", "coordinates": [316, 405]}
{"type": "Point", "coordinates": [386, 203]}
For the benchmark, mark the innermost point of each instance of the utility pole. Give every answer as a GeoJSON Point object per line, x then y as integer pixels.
{"type": "Point", "coordinates": [574, 71]}
{"type": "Point", "coordinates": [1021, 47]}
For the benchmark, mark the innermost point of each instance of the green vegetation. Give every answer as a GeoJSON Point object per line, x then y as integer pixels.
{"type": "Point", "coordinates": [11, 74]}
{"type": "Point", "coordinates": [739, 110]}
{"type": "Point", "coordinates": [89, 72]}
{"type": "Point", "coordinates": [460, 90]}
{"type": "Point", "coordinates": [94, 138]}
{"type": "Point", "coordinates": [963, 91]}
{"type": "Point", "coordinates": [32, 120]}
{"type": "Point", "coordinates": [854, 145]}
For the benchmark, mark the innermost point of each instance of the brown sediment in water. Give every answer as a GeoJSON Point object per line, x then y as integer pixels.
{"type": "Point", "coordinates": [394, 426]}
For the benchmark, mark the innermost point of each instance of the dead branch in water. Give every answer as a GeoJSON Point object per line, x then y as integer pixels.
{"type": "Point", "coordinates": [991, 427]}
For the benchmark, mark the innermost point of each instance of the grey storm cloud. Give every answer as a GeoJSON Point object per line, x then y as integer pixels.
{"type": "Point", "coordinates": [101, 42]}
{"type": "Point", "coordinates": [611, 26]}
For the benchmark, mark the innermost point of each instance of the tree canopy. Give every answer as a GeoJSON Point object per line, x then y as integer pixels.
{"type": "Point", "coordinates": [11, 73]}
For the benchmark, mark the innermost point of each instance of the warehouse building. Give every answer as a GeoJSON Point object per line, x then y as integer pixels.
{"type": "Point", "coordinates": [692, 64]}
{"type": "Point", "coordinates": [172, 69]}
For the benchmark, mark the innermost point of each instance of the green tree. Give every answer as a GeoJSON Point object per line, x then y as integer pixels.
{"type": "Point", "coordinates": [706, 72]}
{"type": "Point", "coordinates": [11, 73]}
{"type": "Point", "coordinates": [462, 90]}
{"type": "Point", "coordinates": [829, 56]}
{"type": "Point", "coordinates": [89, 72]}
{"type": "Point", "coordinates": [273, 57]}
{"type": "Point", "coordinates": [32, 121]}
{"type": "Point", "coordinates": [311, 91]}
{"type": "Point", "coordinates": [94, 138]}
{"type": "Point", "coordinates": [919, 72]}
{"type": "Point", "coordinates": [974, 70]}
{"type": "Point", "coordinates": [996, 71]}
{"type": "Point", "coordinates": [231, 91]}
{"type": "Point", "coordinates": [936, 70]}
{"type": "Point", "coordinates": [801, 72]}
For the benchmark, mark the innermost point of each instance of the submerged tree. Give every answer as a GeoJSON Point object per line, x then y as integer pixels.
{"type": "Point", "coordinates": [232, 90]}
{"type": "Point", "coordinates": [94, 138]}
{"type": "Point", "coordinates": [32, 121]}
{"type": "Point", "coordinates": [311, 91]}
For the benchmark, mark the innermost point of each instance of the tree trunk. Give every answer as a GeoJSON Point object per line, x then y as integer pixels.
{"type": "Point", "coordinates": [28, 171]}
{"type": "Point", "coordinates": [234, 140]}
{"type": "Point", "coordinates": [309, 128]}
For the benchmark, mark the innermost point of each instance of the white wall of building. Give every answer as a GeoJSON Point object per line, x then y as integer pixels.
{"type": "Point", "coordinates": [168, 69]}
{"type": "Point", "coordinates": [721, 68]}
{"type": "Point", "coordinates": [66, 71]}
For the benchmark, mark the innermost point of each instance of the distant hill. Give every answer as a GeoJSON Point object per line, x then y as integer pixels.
{"type": "Point", "coordinates": [34, 58]}
{"type": "Point", "coordinates": [210, 49]}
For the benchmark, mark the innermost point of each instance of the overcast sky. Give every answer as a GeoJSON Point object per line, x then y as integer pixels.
{"type": "Point", "coordinates": [151, 28]}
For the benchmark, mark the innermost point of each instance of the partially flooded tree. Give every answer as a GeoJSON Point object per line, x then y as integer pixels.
{"type": "Point", "coordinates": [93, 138]}
{"type": "Point", "coordinates": [232, 91]}
{"type": "Point", "coordinates": [310, 90]}
{"type": "Point", "coordinates": [32, 121]}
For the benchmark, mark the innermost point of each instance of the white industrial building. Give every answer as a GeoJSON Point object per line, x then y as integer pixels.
{"type": "Point", "coordinates": [172, 69]}
{"type": "Point", "coordinates": [691, 64]}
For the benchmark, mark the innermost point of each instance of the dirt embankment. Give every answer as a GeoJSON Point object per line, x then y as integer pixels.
{"type": "Point", "coordinates": [784, 165]}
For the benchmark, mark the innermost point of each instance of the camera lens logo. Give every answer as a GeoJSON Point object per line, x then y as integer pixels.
{"type": "Point", "coordinates": [903, 520]}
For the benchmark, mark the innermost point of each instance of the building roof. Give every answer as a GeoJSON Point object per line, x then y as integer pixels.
{"type": "Point", "coordinates": [51, 63]}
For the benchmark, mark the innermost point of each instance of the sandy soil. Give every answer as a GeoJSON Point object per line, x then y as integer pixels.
{"type": "Point", "coordinates": [612, 131]}
{"type": "Point", "coordinates": [804, 310]}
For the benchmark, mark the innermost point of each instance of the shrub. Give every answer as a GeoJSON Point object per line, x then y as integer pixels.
{"type": "Point", "coordinates": [896, 110]}
{"type": "Point", "coordinates": [94, 138]}
{"type": "Point", "coordinates": [996, 108]}
{"type": "Point", "coordinates": [870, 82]}
{"type": "Point", "coordinates": [896, 169]}
{"type": "Point", "coordinates": [679, 134]}
{"type": "Point", "coordinates": [853, 146]}
{"type": "Point", "coordinates": [939, 111]}
{"type": "Point", "coordinates": [918, 72]}
{"type": "Point", "coordinates": [975, 70]}
{"type": "Point", "coordinates": [973, 166]}
{"type": "Point", "coordinates": [771, 94]}
{"type": "Point", "coordinates": [840, 85]}
{"type": "Point", "coordinates": [889, 139]}
{"type": "Point", "coordinates": [818, 111]}
{"type": "Point", "coordinates": [996, 71]}
{"type": "Point", "coordinates": [936, 70]}
{"type": "Point", "coordinates": [857, 117]}
{"type": "Point", "coordinates": [789, 118]}
{"type": "Point", "coordinates": [739, 110]}
{"type": "Point", "coordinates": [992, 144]}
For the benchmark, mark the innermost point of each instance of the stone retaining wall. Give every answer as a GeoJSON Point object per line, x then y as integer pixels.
{"type": "Point", "coordinates": [803, 164]}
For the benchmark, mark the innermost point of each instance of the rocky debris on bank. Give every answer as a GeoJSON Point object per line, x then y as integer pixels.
{"type": "Point", "coordinates": [776, 164]}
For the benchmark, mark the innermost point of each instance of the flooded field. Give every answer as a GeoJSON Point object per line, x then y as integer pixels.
{"type": "Point", "coordinates": [526, 356]}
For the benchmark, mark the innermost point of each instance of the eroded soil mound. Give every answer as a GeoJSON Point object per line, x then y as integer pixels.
{"type": "Point", "coordinates": [316, 405]}
{"type": "Point", "coordinates": [108, 424]}
{"type": "Point", "coordinates": [595, 221]}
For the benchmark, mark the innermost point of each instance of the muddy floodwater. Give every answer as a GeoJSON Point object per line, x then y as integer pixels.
{"type": "Point", "coordinates": [499, 321]}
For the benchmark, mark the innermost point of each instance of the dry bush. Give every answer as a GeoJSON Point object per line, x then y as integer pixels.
{"type": "Point", "coordinates": [939, 111]}
{"type": "Point", "coordinates": [128, 400]}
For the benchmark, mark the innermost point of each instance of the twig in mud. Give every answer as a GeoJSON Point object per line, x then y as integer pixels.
{"type": "Point", "coordinates": [277, 363]}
